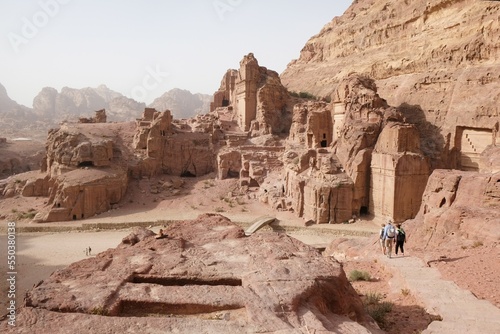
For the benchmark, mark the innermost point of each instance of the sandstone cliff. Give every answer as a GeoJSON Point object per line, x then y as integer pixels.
{"type": "Point", "coordinates": [437, 61]}
{"type": "Point", "coordinates": [459, 209]}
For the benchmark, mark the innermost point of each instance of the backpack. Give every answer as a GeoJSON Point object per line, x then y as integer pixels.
{"type": "Point", "coordinates": [391, 232]}
{"type": "Point", "coordinates": [401, 235]}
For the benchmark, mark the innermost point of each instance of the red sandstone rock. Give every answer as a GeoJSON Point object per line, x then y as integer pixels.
{"type": "Point", "coordinates": [437, 61]}
{"type": "Point", "coordinates": [204, 277]}
{"type": "Point", "coordinates": [458, 209]}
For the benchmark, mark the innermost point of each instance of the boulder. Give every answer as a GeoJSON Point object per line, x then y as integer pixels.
{"type": "Point", "coordinates": [205, 276]}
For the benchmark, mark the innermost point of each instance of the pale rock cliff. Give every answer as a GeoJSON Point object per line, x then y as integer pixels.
{"type": "Point", "coordinates": [437, 61]}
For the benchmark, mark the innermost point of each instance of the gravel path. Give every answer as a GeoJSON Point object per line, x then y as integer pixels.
{"type": "Point", "coordinates": [460, 310]}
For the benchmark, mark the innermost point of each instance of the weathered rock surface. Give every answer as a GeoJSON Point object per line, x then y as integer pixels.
{"type": "Point", "coordinates": [259, 100]}
{"type": "Point", "coordinates": [204, 277]}
{"type": "Point", "coordinates": [182, 103]}
{"type": "Point", "coordinates": [68, 149]}
{"type": "Point", "coordinates": [435, 60]}
{"type": "Point", "coordinates": [71, 103]}
{"type": "Point", "coordinates": [352, 156]}
{"type": "Point", "coordinates": [19, 157]}
{"type": "Point", "coordinates": [458, 208]}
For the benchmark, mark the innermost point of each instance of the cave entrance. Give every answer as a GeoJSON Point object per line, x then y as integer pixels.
{"type": "Point", "coordinates": [253, 183]}
{"type": "Point", "coordinates": [187, 174]}
{"type": "Point", "coordinates": [232, 174]}
{"type": "Point", "coordinates": [225, 103]}
{"type": "Point", "coordinates": [86, 164]}
{"type": "Point", "coordinates": [363, 211]}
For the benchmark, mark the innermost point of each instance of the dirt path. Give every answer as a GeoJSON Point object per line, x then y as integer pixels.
{"type": "Point", "coordinates": [460, 310]}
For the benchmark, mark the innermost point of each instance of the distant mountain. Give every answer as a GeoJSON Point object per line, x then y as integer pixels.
{"type": "Point", "coordinates": [50, 107]}
{"type": "Point", "coordinates": [16, 120]}
{"type": "Point", "coordinates": [182, 103]}
{"type": "Point", "coordinates": [72, 103]}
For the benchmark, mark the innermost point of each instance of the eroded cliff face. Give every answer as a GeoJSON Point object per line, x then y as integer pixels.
{"type": "Point", "coordinates": [353, 155]}
{"type": "Point", "coordinates": [436, 61]}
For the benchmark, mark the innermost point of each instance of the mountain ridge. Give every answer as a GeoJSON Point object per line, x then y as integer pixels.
{"type": "Point", "coordinates": [51, 107]}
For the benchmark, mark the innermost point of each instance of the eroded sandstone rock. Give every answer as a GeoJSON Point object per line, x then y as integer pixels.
{"type": "Point", "coordinates": [436, 61]}
{"type": "Point", "coordinates": [206, 276]}
{"type": "Point", "coordinates": [257, 97]}
{"type": "Point", "coordinates": [458, 208]}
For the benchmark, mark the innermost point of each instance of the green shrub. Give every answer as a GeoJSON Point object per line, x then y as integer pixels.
{"type": "Point", "coordinates": [379, 311]}
{"type": "Point", "coordinates": [357, 275]}
{"type": "Point", "coordinates": [372, 298]}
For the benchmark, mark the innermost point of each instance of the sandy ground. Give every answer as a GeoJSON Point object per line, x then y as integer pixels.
{"type": "Point", "coordinates": [40, 254]}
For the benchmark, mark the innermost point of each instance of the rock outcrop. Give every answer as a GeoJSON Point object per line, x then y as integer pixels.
{"type": "Point", "coordinates": [437, 61]}
{"type": "Point", "coordinates": [353, 156]}
{"type": "Point", "coordinates": [259, 100]}
{"type": "Point", "coordinates": [205, 276]}
{"type": "Point", "coordinates": [100, 117]}
{"type": "Point", "coordinates": [458, 209]}
{"type": "Point", "coordinates": [19, 156]}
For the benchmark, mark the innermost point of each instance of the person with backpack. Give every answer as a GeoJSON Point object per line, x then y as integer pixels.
{"type": "Point", "coordinates": [400, 239]}
{"type": "Point", "coordinates": [381, 239]}
{"type": "Point", "coordinates": [389, 235]}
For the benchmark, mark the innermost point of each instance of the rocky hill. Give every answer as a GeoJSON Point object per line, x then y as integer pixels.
{"type": "Point", "coordinates": [436, 60]}
{"type": "Point", "coordinates": [71, 103]}
{"type": "Point", "coordinates": [182, 103]}
{"type": "Point", "coordinates": [14, 116]}
{"type": "Point", "coordinates": [51, 107]}
{"type": "Point", "coordinates": [204, 277]}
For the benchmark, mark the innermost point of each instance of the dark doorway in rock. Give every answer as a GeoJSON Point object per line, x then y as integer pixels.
{"type": "Point", "coordinates": [363, 210]}
{"type": "Point", "coordinates": [232, 174]}
{"type": "Point", "coordinates": [324, 143]}
{"type": "Point", "coordinates": [74, 217]}
{"type": "Point", "coordinates": [225, 103]}
{"type": "Point", "coordinates": [254, 183]}
{"type": "Point", "coordinates": [187, 174]}
{"type": "Point", "coordinates": [86, 164]}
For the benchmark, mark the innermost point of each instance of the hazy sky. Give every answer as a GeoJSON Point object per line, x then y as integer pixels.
{"type": "Point", "coordinates": [144, 48]}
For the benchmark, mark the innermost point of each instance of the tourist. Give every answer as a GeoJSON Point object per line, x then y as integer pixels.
{"type": "Point", "coordinates": [389, 235]}
{"type": "Point", "coordinates": [381, 239]}
{"type": "Point", "coordinates": [400, 239]}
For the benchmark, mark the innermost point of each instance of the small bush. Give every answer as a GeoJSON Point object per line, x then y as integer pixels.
{"type": "Point", "coordinates": [99, 311]}
{"type": "Point", "coordinates": [477, 244]}
{"type": "Point", "coordinates": [372, 298]}
{"type": "Point", "coordinates": [219, 209]}
{"type": "Point", "coordinates": [379, 311]}
{"type": "Point", "coordinates": [357, 275]}
{"type": "Point", "coordinates": [306, 95]}
{"type": "Point", "coordinates": [405, 292]}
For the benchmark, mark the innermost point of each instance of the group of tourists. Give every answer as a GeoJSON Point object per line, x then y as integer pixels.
{"type": "Point", "coordinates": [391, 235]}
